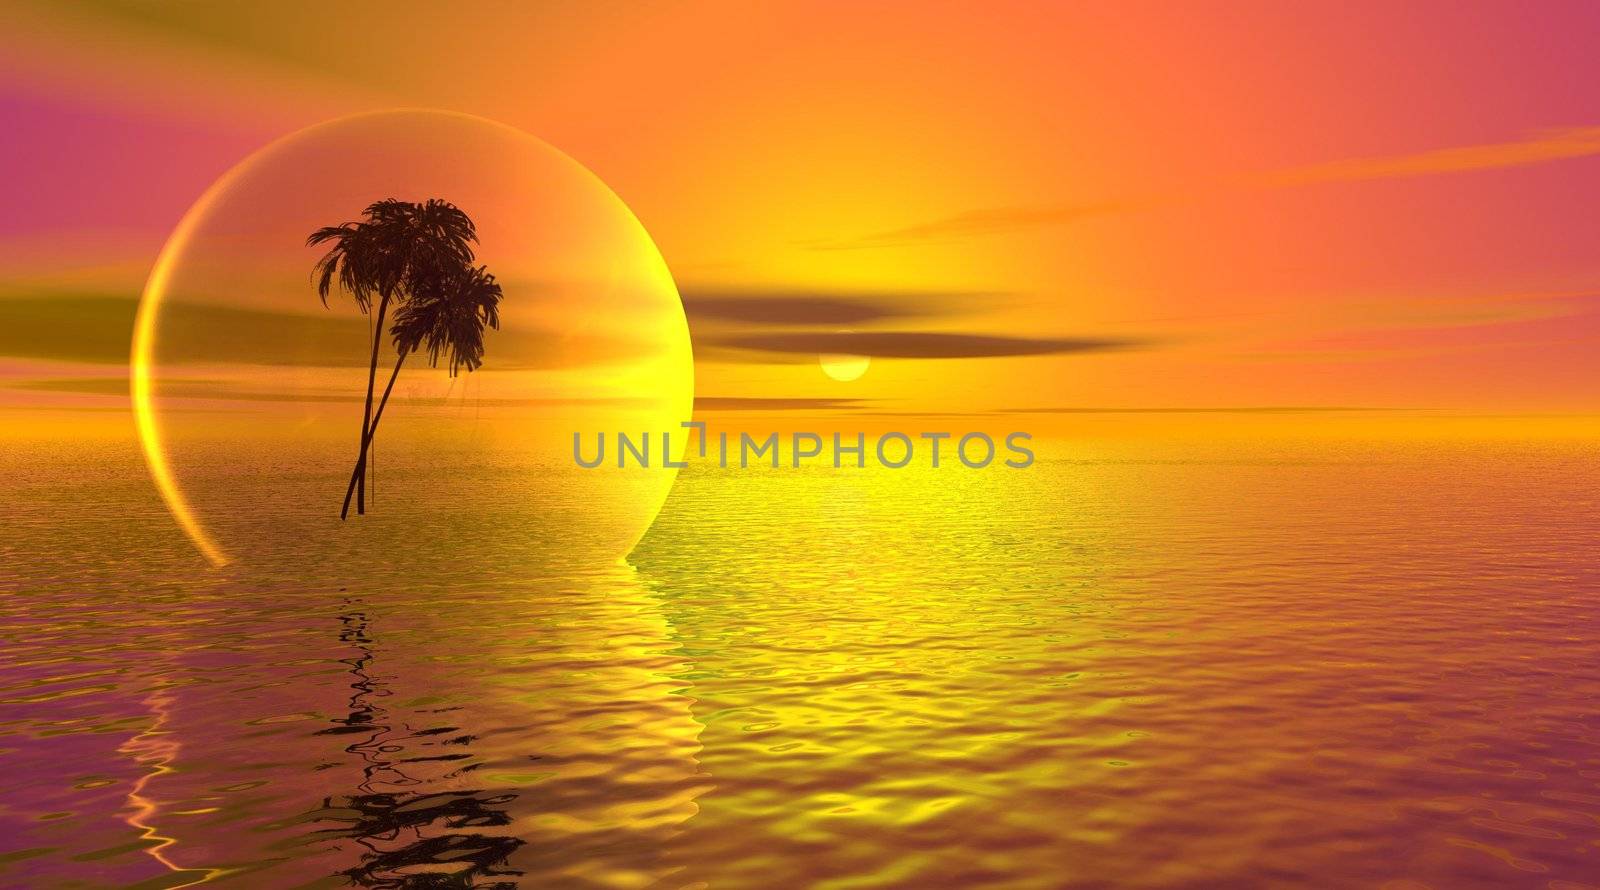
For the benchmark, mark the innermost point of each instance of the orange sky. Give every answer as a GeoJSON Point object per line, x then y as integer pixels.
{"type": "Point", "coordinates": [1118, 206]}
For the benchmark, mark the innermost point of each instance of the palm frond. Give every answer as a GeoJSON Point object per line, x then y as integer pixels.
{"type": "Point", "coordinates": [447, 316]}
{"type": "Point", "coordinates": [420, 255]}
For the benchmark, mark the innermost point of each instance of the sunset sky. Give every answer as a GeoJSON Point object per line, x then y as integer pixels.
{"type": "Point", "coordinates": [1075, 215]}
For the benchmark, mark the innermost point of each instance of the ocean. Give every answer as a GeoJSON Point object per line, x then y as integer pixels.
{"type": "Point", "coordinates": [1133, 664]}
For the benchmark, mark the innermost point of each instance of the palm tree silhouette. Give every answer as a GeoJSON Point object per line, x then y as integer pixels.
{"type": "Point", "coordinates": [400, 252]}
{"type": "Point", "coordinates": [446, 314]}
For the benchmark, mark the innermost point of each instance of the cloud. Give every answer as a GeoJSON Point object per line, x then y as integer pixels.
{"type": "Point", "coordinates": [759, 403]}
{"type": "Point", "coordinates": [99, 330]}
{"type": "Point", "coordinates": [223, 391]}
{"type": "Point", "coordinates": [775, 307]}
{"type": "Point", "coordinates": [1536, 148]}
{"type": "Point", "coordinates": [758, 324]}
{"type": "Point", "coordinates": [1249, 409]}
{"type": "Point", "coordinates": [216, 390]}
{"type": "Point", "coordinates": [915, 344]}
{"type": "Point", "coordinates": [90, 386]}
{"type": "Point", "coordinates": [96, 330]}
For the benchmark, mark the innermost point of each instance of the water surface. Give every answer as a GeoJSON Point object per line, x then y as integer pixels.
{"type": "Point", "coordinates": [1129, 666]}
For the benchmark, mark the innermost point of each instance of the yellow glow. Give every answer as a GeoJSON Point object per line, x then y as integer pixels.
{"type": "Point", "coordinates": [139, 375]}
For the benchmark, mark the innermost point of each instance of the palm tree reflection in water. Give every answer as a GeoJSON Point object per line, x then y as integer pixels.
{"type": "Point", "coordinates": [413, 839]}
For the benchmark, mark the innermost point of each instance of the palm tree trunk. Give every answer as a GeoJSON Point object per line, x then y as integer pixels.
{"type": "Point", "coordinates": [366, 417]}
{"type": "Point", "coordinates": [360, 472]}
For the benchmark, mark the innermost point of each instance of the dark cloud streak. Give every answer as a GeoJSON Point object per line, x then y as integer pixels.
{"type": "Point", "coordinates": [787, 307]}
{"type": "Point", "coordinates": [99, 330]}
{"type": "Point", "coordinates": [775, 403]}
{"type": "Point", "coordinates": [1250, 409]}
{"type": "Point", "coordinates": [917, 344]}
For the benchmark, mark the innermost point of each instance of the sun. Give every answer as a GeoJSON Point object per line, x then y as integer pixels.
{"type": "Point", "coordinates": [843, 368]}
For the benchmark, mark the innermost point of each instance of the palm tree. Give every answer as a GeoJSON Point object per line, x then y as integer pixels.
{"type": "Point", "coordinates": [383, 257]}
{"type": "Point", "coordinates": [446, 314]}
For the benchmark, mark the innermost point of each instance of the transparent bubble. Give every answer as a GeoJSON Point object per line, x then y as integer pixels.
{"type": "Point", "coordinates": [250, 393]}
